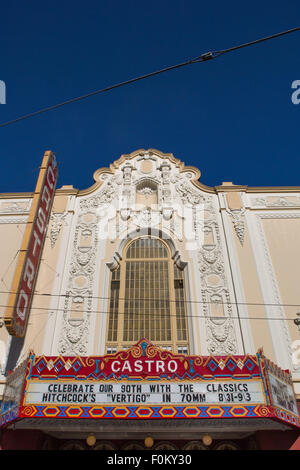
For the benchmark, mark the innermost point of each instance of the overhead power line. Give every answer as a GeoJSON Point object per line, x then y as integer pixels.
{"type": "Point", "coordinates": [202, 58]}
{"type": "Point", "coordinates": [48, 310]}
{"type": "Point", "coordinates": [148, 299]}
{"type": "Point", "coordinates": [164, 315]}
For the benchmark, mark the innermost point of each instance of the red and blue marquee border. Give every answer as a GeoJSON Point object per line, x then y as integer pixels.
{"type": "Point", "coordinates": [189, 368]}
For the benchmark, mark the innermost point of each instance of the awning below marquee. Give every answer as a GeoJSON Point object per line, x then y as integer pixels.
{"type": "Point", "coordinates": [154, 389]}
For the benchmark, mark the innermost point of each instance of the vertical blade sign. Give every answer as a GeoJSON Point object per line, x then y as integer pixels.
{"type": "Point", "coordinates": [23, 285]}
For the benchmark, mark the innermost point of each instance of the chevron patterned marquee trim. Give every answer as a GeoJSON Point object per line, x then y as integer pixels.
{"type": "Point", "coordinates": [147, 382]}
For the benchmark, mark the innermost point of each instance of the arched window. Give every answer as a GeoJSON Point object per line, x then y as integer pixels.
{"type": "Point", "coordinates": [147, 299]}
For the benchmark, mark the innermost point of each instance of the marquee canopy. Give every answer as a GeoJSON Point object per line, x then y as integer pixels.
{"type": "Point", "coordinates": [146, 382]}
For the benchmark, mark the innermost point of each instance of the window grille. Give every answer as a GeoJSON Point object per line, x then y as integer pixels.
{"type": "Point", "coordinates": [147, 298]}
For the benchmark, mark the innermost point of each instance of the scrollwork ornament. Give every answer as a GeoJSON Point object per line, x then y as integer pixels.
{"type": "Point", "coordinates": [56, 225]}
{"type": "Point", "coordinates": [136, 351]}
{"type": "Point", "coordinates": [151, 350]}
{"type": "Point", "coordinates": [198, 361]}
{"type": "Point", "coordinates": [124, 355]}
{"type": "Point", "coordinates": [220, 333]}
{"type": "Point", "coordinates": [75, 333]}
{"type": "Point", "coordinates": [238, 223]}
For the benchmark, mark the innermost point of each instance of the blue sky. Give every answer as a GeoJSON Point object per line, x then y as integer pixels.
{"type": "Point", "coordinates": [232, 117]}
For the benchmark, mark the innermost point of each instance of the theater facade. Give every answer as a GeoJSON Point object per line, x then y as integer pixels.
{"type": "Point", "coordinates": [149, 311]}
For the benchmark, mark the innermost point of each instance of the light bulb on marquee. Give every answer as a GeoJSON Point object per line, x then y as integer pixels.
{"type": "Point", "coordinates": [148, 442]}
{"type": "Point", "coordinates": [207, 440]}
{"type": "Point", "coordinates": [91, 440]}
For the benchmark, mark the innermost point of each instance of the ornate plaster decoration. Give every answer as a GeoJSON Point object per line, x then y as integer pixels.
{"type": "Point", "coordinates": [125, 213]}
{"type": "Point", "coordinates": [220, 331]}
{"type": "Point", "coordinates": [165, 169]}
{"type": "Point", "coordinates": [22, 219]}
{"type": "Point", "coordinates": [280, 215]}
{"type": "Point", "coordinates": [127, 172]}
{"type": "Point", "coordinates": [166, 195]}
{"type": "Point", "coordinates": [168, 215]}
{"type": "Point", "coordinates": [146, 217]}
{"type": "Point", "coordinates": [175, 226]}
{"type": "Point", "coordinates": [187, 194]}
{"type": "Point", "coordinates": [115, 261]}
{"type": "Point", "coordinates": [15, 206]}
{"type": "Point", "coordinates": [147, 188]}
{"type": "Point", "coordinates": [146, 191]}
{"type": "Point", "coordinates": [238, 221]}
{"type": "Point", "coordinates": [106, 196]}
{"type": "Point", "coordinates": [275, 201]}
{"type": "Point", "coordinates": [75, 328]}
{"type": "Point", "coordinates": [178, 261]}
{"type": "Point", "coordinates": [56, 225]}
{"type": "Point", "coordinates": [146, 156]}
{"type": "Point", "coordinates": [221, 337]}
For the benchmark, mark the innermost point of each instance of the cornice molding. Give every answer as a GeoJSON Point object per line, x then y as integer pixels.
{"type": "Point", "coordinates": [273, 189]}
{"type": "Point", "coordinates": [67, 192]}
{"type": "Point", "coordinates": [231, 188]}
{"type": "Point", "coordinates": [16, 195]}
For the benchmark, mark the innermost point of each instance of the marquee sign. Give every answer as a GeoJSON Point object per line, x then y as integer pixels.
{"type": "Point", "coordinates": [152, 393]}
{"type": "Point", "coordinates": [281, 391]}
{"type": "Point", "coordinates": [19, 302]}
{"type": "Point", "coordinates": [146, 382]}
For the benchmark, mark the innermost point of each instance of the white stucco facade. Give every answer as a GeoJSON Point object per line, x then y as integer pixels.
{"type": "Point", "coordinates": [238, 245]}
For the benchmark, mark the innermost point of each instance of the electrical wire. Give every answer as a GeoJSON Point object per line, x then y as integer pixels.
{"type": "Point", "coordinates": [160, 315]}
{"type": "Point", "coordinates": [202, 58]}
{"type": "Point", "coordinates": [256, 304]}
